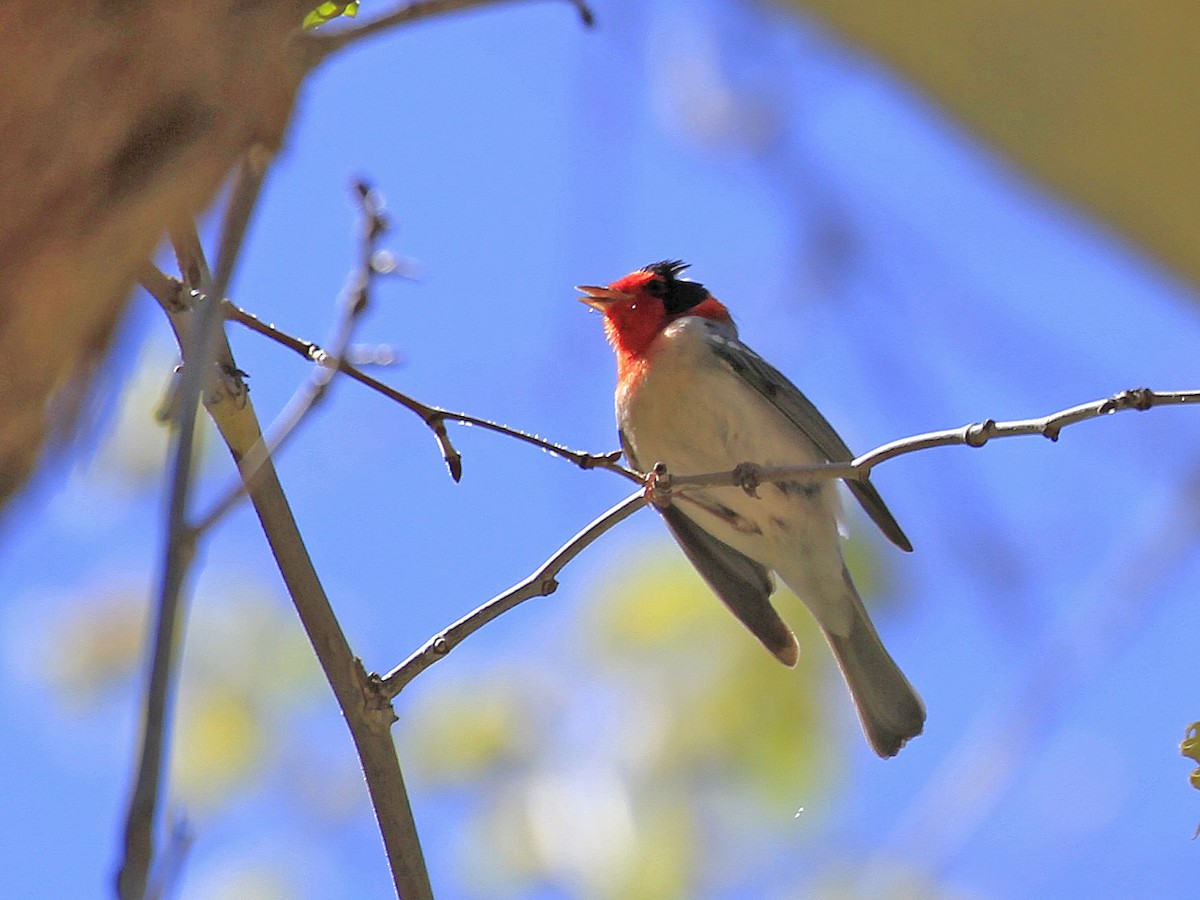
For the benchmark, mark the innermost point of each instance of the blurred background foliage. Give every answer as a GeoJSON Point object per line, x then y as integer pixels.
{"type": "Point", "coordinates": [625, 737]}
{"type": "Point", "coordinates": [1097, 100]}
{"type": "Point", "coordinates": [631, 763]}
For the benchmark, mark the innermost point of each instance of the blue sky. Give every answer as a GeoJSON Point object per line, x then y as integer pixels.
{"type": "Point", "coordinates": [906, 279]}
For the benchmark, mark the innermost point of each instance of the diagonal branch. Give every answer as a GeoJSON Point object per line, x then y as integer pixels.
{"type": "Point", "coordinates": [659, 484]}
{"type": "Point", "coordinates": [541, 583]}
{"type": "Point", "coordinates": [433, 416]}
{"type": "Point", "coordinates": [354, 301]}
{"type": "Point", "coordinates": [179, 550]}
{"type": "Point", "coordinates": [368, 716]}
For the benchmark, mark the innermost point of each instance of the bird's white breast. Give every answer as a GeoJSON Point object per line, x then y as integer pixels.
{"type": "Point", "coordinates": [693, 412]}
{"type": "Point", "coordinates": [689, 410]}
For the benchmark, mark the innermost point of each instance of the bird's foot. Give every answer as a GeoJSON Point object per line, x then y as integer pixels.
{"type": "Point", "coordinates": [748, 476]}
{"type": "Point", "coordinates": [658, 486]}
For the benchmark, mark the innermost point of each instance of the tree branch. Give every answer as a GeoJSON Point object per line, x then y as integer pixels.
{"type": "Point", "coordinates": [179, 550]}
{"type": "Point", "coordinates": [368, 719]}
{"type": "Point", "coordinates": [659, 484]}
{"type": "Point", "coordinates": [977, 434]}
{"type": "Point", "coordinates": [354, 301]}
{"type": "Point", "coordinates": [434, 417]}
{"type": "Point", "coordinates": [368, 716]}
{"type": "Point", "coordinates": [319, 46]}
{"type": "Point", "coordinates": [541, 583]}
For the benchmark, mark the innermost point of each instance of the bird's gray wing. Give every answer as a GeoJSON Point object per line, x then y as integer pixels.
{"type": "Point", "coordinates": [742, 584]}
{"type": "Point", "coordinates": [798, 409]}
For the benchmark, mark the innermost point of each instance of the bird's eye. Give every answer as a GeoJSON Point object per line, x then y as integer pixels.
{"type": "Point", "coordinates": [656, 287]}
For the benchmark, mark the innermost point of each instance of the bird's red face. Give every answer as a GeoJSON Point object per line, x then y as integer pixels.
{"type": "Point", "coordinates": [639, 306]}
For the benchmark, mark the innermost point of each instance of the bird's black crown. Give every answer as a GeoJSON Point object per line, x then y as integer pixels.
{"type": "Point", "coordinates": [678, 295]}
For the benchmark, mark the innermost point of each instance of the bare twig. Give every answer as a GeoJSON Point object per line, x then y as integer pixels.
{"type": "Point", "coordinates": [368, 716]}
{"type": "Point", "coordinates": [320, 45]}
{"type": "Point", "coordinates": [660, 484]}
{"type": "Point", "coordinates": [179, 550]}
{"type": "Point", "coordinates": [354, 300]}
{"type": "Point", "coordinates": [189, 256]}
{"type": "Point", "coordinates": [541, 583]}
{"type": "Point", "coordinates": [974, 435]}
{"type": "Point", "coordinates": [433, 416]}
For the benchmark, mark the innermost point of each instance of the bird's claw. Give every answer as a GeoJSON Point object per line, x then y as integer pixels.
{"type": "Point", "coordinates": [658, 486]}
{"type": "Point", "coordinates": [748, 477]}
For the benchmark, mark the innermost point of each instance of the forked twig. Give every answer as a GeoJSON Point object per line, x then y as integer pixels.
{"type": "Point", "coordinates": [354, 301]}
{"type": "Point", "coordinates": [434, 417]}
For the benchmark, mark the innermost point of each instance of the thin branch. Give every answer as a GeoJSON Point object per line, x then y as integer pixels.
{"type": "Point", "coordinates": [354, 301]}
{"type": "Point", "coordinates": [541, 583]}
{"type": "Point", "coordinates": [179, 549]}
{"type": "Point", "coordinates": [974, 435]}
{"type": "Point", "coordinates": [659, 484]}
{"type": "Point", "coordinates": [318, 46]}
{"type": "Point", "coordinates": [368, 717]}
{"type": "Point", "coordinates": [434, 417]}
{"type": "Point", "coordinates": [189, 256]}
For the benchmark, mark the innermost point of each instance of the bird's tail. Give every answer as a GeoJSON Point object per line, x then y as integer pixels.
{"type": "Point", "coordinates": [889, 708]}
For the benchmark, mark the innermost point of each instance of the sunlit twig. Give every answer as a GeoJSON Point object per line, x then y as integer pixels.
{"type": "Point", "coordinates": [433, 416]}
{"type": "Point", "coordinates": [973, 435]}
{"type": "Point", "coordinates": [541, 583]}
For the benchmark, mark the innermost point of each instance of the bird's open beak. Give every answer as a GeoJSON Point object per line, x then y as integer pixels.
{"type": "Point", "coordinates": [599, 298]}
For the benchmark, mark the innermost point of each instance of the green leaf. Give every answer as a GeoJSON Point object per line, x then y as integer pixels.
{"type": "Point", "coordinates": [329, 11]}
{"type": "Point", "coordinates": [1190, 747]}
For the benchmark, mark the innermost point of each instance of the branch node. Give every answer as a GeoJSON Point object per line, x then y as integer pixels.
{"type": "Point", "coordinates": [317, 354]}
{"type": "Point", "coordinates": [377, 705]}
{"type": "Point", "coordinates": [440, 646]}
{"type": "Point", "coordinates": [175, 301]}
{"type": "Point", "coordinates": [748, 476]}
{"type": "Point", "coordinates": [232, 385]}
{"type": "Point", "coordinates": [594, 461]}
{"type": "Point", "coordinates": [1139, 398]}
{"type": "Point", "coordinates": [437, 424]}
{"type": "Point", "coordinates": [980, 433]}
{"type": "Point", "coordinates": [548, 586]}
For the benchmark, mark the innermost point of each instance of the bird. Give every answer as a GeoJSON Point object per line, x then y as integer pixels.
{"type": "Point", "coordinates": [691, 396]}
